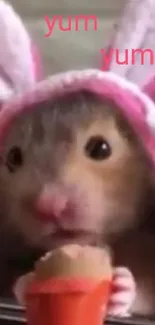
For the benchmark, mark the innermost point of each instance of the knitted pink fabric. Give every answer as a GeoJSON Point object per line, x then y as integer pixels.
{"type": "Point", "coordinates": [20, 62]}
{"type": "Point", "coordinates": [138, 108]}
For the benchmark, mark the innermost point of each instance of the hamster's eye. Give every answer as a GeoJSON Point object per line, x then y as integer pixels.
{"type": "Point", "coordinates": [14, 159]}
{"type": "Point", "coordinates": [97, 148]}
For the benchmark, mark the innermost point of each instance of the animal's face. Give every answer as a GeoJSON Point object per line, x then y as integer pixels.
{"type": "Point", "coordinates": [71, 171]}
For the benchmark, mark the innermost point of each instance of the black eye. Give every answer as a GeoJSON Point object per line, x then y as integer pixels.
{"type": "Point", "coordinates": [97, 148]}
{"type": "Point", "coordinates": [14, 159]}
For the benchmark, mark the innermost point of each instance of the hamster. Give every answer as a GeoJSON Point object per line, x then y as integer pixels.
{"type": "Point", "coordinates": [72, 170]}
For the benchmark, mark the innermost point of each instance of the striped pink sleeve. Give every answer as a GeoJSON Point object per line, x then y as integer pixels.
{"type": "Point", "coordinates": [123, 293]}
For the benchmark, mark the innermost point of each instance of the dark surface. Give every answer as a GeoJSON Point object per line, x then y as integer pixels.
{"type": "Point", "coordinates": [12, 314]}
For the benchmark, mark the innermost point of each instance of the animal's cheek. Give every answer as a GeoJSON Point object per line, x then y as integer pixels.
{"type": "Point", "coordinates": [103, 198]}
{"type": "Point", "coordinates": [97, 210]}
{"type": "Point", "coordinates": [22, 221]}
{"type": "Point", "coordinates": [102, 209]}
{"type": "Point", "coordinates": [92, 207]}
{"type": "Point", "coordinates": [87, 193]}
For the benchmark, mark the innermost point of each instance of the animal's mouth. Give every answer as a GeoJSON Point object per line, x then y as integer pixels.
{"type": "Point", "coordinates": [63, 237]}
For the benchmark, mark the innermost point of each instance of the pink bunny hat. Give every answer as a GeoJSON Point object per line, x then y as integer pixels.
{"type": "Point", "coordinates": [138, 108]}
{"type": "Point", "coordinates": [19, 59]}
{"type": "Point", "coordinates": [134, 103]}
{"type": "Point", "coordinates": [135, 30]}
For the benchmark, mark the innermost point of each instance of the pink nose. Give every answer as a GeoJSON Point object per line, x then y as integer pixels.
{"type": "Point", "coordinates": [50, 204]}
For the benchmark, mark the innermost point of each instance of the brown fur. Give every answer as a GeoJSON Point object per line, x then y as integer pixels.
{"type": "Point", "coordinates": [110, 197]}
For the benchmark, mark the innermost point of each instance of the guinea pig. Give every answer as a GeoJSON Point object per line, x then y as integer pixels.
{"type": "Point", "coordinates": [73, 171]}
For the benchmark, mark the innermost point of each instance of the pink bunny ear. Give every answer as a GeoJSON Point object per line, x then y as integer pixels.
{"type": "Point", "coordinates": [37, 67]}
{"type": "Point", "coordinates": [18, 63]}
{"type": "Point", "coordinates": [149, 88]}
{"type": "Point", "coordinates": [134, 42]}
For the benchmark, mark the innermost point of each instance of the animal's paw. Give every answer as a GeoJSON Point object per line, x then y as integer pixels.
{"type": "Point", "coordinates": [20, 285]}
{"type": "Point", "coordinates": [123, 293]}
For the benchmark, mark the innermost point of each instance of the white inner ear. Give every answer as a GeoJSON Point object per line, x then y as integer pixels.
{"type": "Point", "coordinates": [15, 48]}
{"type": "Point", "coordinates": [5, 91]}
